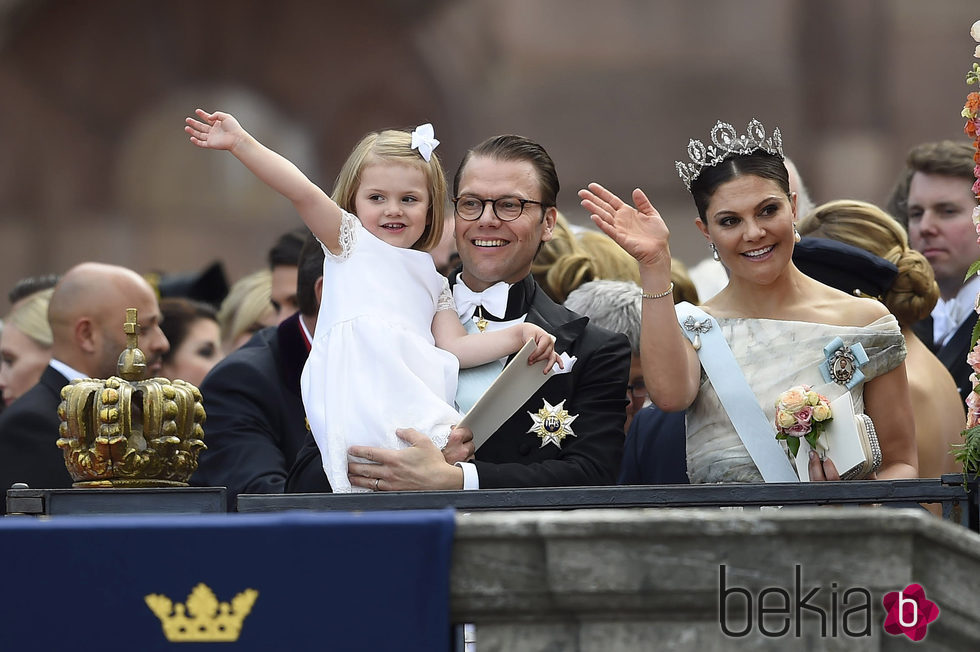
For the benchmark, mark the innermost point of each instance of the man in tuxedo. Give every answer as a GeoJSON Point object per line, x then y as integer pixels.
{"type": "Point", "coordinates": [87, 312]}
{"type": "Point", "coordinates": [570, 432]}
{"type": "Point", "coordinates": [934, 198]}
{"type": "Point", "coordinates": [256, 423]}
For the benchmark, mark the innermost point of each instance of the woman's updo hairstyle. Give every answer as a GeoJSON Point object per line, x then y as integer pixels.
{"type": "Point", "coordinates": [759, 163]}
{"type": "Point", "coordinates": [914, 293]}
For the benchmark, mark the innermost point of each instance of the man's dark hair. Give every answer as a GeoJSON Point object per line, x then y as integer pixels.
{"type": "Point", "coordinates": [948, 158]}
{"type": "Point", "coordinates": [287, 249]}
{"type": "Point", "coordinates": [310, 269]}
{"type": "Point", "coordinates": [510, 147]}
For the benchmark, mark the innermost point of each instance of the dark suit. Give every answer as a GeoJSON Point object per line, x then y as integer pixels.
{"type": "Point", "coordinates": [594, 392]}
{"type": "Point", "coordinates": [255, 419]}
{"type": "Point", "coordinates": [28, 432]}
{"type": "Point", "coordinates": [953, 353]}
{"type": "Point", "coordinates": [655, 451]}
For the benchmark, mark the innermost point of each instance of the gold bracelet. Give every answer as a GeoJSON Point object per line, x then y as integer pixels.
{"type": "Point", "coordinates": [661, 295]}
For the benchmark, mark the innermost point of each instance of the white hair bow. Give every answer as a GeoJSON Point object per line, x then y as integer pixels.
{"type": "Point", "coordinates": [424, 140]}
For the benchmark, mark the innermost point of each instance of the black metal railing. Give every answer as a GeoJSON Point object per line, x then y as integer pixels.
{"type": "Point", "coordinates": [958, 497]}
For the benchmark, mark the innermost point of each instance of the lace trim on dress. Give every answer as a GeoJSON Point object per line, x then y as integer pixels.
{"type": "Point", "coordinates": [446, 301]}
{"type": "Point", "coordinates": [347, 237]}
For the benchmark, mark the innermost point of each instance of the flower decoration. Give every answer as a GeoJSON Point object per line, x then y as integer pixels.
{"type": "Point", "coordinates": [968, 453]}
{"type": "Point", "coordinates": [802, 413]}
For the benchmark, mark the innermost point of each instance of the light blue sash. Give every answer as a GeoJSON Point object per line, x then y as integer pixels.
{"type": "Point", "coordinates": [744, 411]}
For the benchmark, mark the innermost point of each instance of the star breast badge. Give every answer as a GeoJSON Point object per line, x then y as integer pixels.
{"type": "Point", "coordinates": [552, 423]}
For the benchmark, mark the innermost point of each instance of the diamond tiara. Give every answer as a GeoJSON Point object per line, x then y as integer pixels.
{"type": "Point", "coordinates": [727, 142]}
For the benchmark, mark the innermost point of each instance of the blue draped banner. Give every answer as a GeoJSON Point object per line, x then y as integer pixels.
{"type": "Point", "coordinates": [291, 581]}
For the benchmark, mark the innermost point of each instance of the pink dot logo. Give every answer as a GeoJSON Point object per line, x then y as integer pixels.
{"type": "Point", "coordinates": [909, 612]}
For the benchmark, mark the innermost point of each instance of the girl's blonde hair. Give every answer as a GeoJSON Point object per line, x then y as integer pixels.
{"type": "Point", "coordinates": [31, 317]}
{"type": "Point", "coordinates": [395, 145]}
{"type": "Point", "coordinates": [914, 292]}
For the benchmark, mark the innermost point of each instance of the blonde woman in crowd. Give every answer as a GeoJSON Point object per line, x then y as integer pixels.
{"type": "Point", "coordinates": [939, 413]}
{"type": "Point", "coordinates": [247, 309]}
{"type": "Point", "coordinates": [25, 345]}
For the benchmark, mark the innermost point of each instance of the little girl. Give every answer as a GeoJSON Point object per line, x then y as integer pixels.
{"type": "Point", "coordinates": [388, 343]}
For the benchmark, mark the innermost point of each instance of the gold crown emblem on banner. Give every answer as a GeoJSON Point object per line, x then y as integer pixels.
{"type": "Point", "coordinates": [203, 618]}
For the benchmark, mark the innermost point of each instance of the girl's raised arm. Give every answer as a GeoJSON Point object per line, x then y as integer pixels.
{"type": "Point", "coordinates": [220, 130]}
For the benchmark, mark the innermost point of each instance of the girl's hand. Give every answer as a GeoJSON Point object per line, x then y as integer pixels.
{"type": "Point", "coordinates": [640, 230]}
{"type": "Point", "coordinates": [218, 131]}
{"type": "Point", "coordinates": [544, 348]}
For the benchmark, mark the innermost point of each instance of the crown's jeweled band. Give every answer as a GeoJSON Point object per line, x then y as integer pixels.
{"type": "Point", "coordinates": [726, 142]}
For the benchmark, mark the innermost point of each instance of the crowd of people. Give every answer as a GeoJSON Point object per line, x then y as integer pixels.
{"type": "Point", "coordinates": [347, 359]}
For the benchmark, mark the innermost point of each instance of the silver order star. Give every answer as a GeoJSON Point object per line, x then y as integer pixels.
{"type": "Point", "coordinates": [552, 423]}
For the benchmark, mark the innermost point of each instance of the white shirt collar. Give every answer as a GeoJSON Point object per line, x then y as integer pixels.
{"type": "Point", "coordinates": [948, 315]}
{"type": "Point", "coordinates": [66, 371]}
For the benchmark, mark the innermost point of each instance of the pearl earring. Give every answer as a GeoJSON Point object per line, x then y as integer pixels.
{"type": "Point", "coordinates": [714, 251]}
{"type": "Point", "coordinates": [796, 234]}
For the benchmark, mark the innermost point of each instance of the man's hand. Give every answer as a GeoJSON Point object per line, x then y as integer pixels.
{"type": "Point", "coordinates": [421, 467]}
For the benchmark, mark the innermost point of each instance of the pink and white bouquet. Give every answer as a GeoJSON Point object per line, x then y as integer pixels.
{"type": "Point", "coordinates": [968, 453]}
{"type": "Point", "coordinates": [802, 413]}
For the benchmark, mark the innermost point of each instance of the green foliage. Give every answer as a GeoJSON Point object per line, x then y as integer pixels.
{"type": "Point", "coordinates": [967, 454]}
{"type": "Point", "coordinates": [975, 336]}
{"type": "Point", "coordinates": [973, 77]}
{"type": "Point", "coordinates": [974, 268]}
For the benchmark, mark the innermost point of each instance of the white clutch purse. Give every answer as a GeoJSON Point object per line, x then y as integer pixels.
{"type": "Point", "coordinates": [851, 441]}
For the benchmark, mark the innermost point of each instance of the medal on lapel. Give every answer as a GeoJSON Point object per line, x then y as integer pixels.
{"type": "Point", "coordinates": [552, 423]}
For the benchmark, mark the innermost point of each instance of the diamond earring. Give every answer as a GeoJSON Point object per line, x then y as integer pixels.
{"type": "Point", "coordinates": [714, 251]}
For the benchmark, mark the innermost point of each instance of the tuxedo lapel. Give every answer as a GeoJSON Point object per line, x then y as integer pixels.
{"type": "Point", "coordinates": [561, 322]}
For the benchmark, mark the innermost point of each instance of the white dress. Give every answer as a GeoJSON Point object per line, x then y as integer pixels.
{"type": "Point", "coordinates": [774, 356]}
{"type": "Point", "coordinates": [374, 366]}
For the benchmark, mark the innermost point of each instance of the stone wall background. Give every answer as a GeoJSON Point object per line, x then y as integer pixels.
{"type": "Point", "coordinates": [94, 165]}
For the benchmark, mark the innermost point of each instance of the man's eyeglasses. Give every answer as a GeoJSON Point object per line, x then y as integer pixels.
{"type": "Point", "coordinates": [471, 207]}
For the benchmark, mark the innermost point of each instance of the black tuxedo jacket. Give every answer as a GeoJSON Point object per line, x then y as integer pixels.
{"type": "Point", "coordinates": [255, 422]}
{"type": "Point", "coordinates": [28, 432]}
{"type": "Point", "coordinates": [594, 393]}
{"type": "Point", "coordinates": [953, 353]}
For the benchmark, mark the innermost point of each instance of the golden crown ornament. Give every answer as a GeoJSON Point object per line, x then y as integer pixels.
{"type": "Point", "coordinates": [726, 142]}
{"type": "Point", "coordinates": [128, 432]}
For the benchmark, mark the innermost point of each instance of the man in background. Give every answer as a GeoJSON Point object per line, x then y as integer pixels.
{"type": "Point", "coordinates": [935, 200]}
{"type": "Point", "coordinates": [87, 312]}
{"type": "Point", "coordinates": [283, 262]}
{"type": "Point", "coordinates": [256, 421]}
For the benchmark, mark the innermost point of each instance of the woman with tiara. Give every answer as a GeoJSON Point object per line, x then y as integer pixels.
{"type": "Point", "coordinates": [781, 329]}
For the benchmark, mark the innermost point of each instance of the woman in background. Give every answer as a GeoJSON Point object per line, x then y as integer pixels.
{"type": "Point", "coordinates": [192, 329]}
{"type": "Point", "coordinates": [25, 345]}
{"type": "Point", "coordinates": [939, 413]}
{"type": "Point", "coordinates": [247, 309]}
